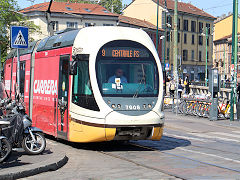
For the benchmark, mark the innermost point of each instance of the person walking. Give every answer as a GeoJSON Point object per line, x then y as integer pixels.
{"type": "Point", "coordinates": [172, 88]}
{"type": "Point", "coordinates": [187, 83]}
{"type": "Point", "coordinates": [180, 89]}
{"type": "Point", "coordinates": [238, 92]}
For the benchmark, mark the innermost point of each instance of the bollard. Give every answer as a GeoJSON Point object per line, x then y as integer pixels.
{"type": "Point", "coordinates": [238, 111]}
{"type": "Point", "coordinates": [214, 110]}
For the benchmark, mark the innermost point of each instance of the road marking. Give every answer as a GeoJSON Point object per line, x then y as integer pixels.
{"type": "Point", "coordinates": [226, 134]}
{"type": "Point", "coordinates": [212, 155]}
{"type": "Point", "coordinates": [238, 132]}
{"type": "Point", "coordinates": [215, 138]}
{"type": "Point", "coordinates": [187, 137]}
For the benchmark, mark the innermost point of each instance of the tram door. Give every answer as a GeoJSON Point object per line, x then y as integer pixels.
{"type": "Point", "coordinates": [63, 89]}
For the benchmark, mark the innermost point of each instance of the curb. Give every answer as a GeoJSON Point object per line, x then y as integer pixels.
{"type": "Point", "coordinates": [31, 170]}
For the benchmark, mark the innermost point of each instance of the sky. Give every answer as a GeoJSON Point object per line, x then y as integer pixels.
{"type": "Point", "coordinates": [213, 7]}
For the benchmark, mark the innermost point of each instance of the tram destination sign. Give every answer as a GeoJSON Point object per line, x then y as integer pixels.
{"type": "Point", "coordinates": [124, 52]}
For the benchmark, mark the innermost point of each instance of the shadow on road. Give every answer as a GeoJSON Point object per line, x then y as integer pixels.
{"type": "Point", "coordinates": [166, 143]}
{"type": "Point", "coordinates": [13, 161]}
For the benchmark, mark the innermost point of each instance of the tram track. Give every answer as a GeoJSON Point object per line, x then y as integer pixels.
{"type": "Point", "coordinates": [145, 166]}
{"type": "Point", "coordinates": [204, 147]}
{"type": "Point", "coordinates": [175, 175]}
{"type": "Point", "coordinates": [184, 157]}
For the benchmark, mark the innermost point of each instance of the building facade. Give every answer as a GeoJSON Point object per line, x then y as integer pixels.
{"type": "Point", "coordinates": [77, 15]}
{"type": "Point", "coordinates": [222, 46]}
{"type": "Point", "coordinates": [193, 46]}
{"type": "Point", "coordinates": [68, 15]}
{"type": "Point", "coordinates": [144, 25]}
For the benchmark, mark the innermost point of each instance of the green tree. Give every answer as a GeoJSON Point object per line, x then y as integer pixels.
{"type": "Point", "coordinates": [115, 4]}
{"type": "Point", "coordinates": [9, 16]}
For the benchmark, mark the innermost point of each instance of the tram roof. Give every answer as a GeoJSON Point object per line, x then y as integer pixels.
{"type": "Point", "coordinates": [29, 50]}
{"type": "Point", "coordinates": [62, 39]}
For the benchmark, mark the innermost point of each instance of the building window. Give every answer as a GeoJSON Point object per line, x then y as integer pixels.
{"type": "Point", "coordinates": [193, 26]}
{"type": "Point", "coordinates": [90, 24]}
{"type": "Point", "coordinates": [193, 39]}
{"type": "Point", "coordinates": [185, 55]}
{"type": "Point", "coordinates": [185, 25]}
{"type": "Point", "coordinates": [179, 24]}
{"type": "Point", "coordinates": [185, 38]}
{"type": "Point", "coordinates": [168, 53]}
{"type": "Point", "coordinates": [200, 40]}
{"type": "Point", "coordinates": [178, 37]}
{"type": "Point", "coordinates": [192, 55]}
{"type": "Point", "coordinates": [200, 27]}
{"type": "Point", "coordinates": [169, 20]}
{"type": "Point", "coordinates": [168, 36]}
{"type": "Point", "coordinates": [72, 25]}
{"type": "Point", "coordinates": [208, 41]}
{"type": "Point", "coordinates": [55, 25]}
{"type": "Point", "coordinates": [208, 27]}
{"type": "Point", "coordinates": [200, 56]}
{"type": "Point", "coordinates": [108, 25]}
{"type": "Point", "coordinates": [207, 56]}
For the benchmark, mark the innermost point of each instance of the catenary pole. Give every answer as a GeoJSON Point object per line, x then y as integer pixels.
{"type": "Point", "coordinates": [206, 73]}
{"type": "Point", "coordinates": [235, 50]}
{"type": "Point", "coordinates": [234, 38]}
{"type": "Point", "coordinates": [157, 26]}
{"type": "Point", "coordinates": [224, 66]}
{"type": "Point", "coordinates": [164, 47]}
{"type": "Point", "coordinates": [175, 56]}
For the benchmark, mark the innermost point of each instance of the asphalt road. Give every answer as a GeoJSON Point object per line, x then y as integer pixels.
{"type": "Point", "coordinates": [191, 148]}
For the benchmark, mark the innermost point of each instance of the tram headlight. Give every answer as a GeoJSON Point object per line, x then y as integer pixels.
{"type": "Point", "coordinates": [149, 106]}
{"type": "Point", "coordinates": [119, 106]}
{"type": "Point", "coordinates": [113, 106]}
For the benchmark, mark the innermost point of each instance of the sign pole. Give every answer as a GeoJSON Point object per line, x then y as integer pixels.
{"type": "Point", "coordinates": [0, 66]}
{"type": "Point", "coordinates": [19, 39]}
{"type": "Point", "coordinates": [18, 70]}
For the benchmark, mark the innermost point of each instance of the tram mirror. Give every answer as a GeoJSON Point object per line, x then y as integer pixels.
{"type": "Point", "coordinates": [73, 68]}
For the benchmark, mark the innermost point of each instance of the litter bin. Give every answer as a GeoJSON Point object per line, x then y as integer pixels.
{"type": "Point", "coordinates": [238, 111]}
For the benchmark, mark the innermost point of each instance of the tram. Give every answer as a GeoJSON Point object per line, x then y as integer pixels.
{"type": "Point", "coordinates": [92, 84]}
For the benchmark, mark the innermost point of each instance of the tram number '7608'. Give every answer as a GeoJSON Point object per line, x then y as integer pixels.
{"type": "Point", "coordinates": [132, 107]}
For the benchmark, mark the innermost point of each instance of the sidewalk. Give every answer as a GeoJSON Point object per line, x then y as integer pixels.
{"type": "Point", "coordinates": [21, 165]}
{"type": "Point", "coordinates": [188, 122]}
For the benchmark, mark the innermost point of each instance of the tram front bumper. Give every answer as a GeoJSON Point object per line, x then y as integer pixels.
{"type": "Point", "coordinates": [147, 126]}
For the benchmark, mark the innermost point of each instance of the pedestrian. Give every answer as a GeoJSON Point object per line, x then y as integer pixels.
{"type": "Point", "coordinates": [187, 83]}
{"type": "Point", "coordinates": [238, 91]}
{"type": "Point", "coordinates": [171, 88]}
{"type": "Point", "coordinates": [180, 89]}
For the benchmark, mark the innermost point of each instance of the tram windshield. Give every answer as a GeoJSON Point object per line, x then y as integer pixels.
{"type": "Point", "coordinates": [126, 71]}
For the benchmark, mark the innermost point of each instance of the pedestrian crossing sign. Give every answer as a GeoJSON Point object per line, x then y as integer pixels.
{"type": "Point", "coordinates": [19, 37]}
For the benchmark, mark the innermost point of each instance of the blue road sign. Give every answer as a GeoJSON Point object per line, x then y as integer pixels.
{"type": "Point", "coordinates": [19, 37]}
{"type": "Point", "coordinates": [166, 66]}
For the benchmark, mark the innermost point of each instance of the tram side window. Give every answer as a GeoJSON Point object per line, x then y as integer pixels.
{"type": "Point", "coordinates": [82, 90]}
{"type": "Point", "coordinates": [22, 78]}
